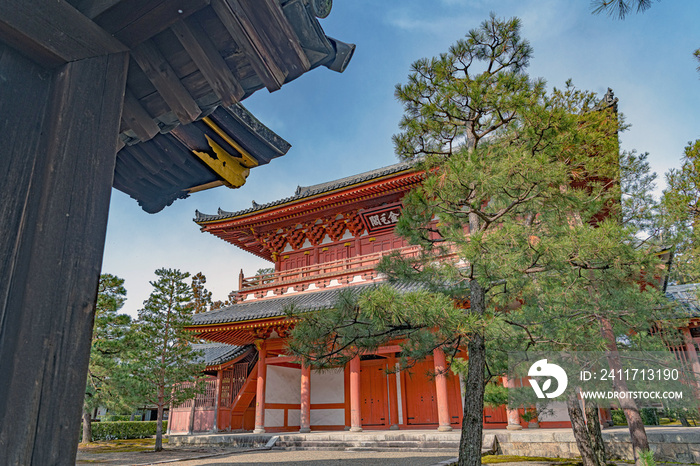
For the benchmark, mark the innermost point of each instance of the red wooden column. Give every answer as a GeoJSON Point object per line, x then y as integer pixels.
{"type": "Point", "coordinates": [260, 389]}
{"type": "Point", "coordinates": [441, 390]}
{"type": "Point", "coordinates": [305, 399]}
{"type": "Point", "coordinates": [217, 399]}
{"type": "Point", "coordinates": [355, 408]}
{"type": "Point", "coordinates": [512, 414]}
{"type": "Point", "coordinates": [692, 354]}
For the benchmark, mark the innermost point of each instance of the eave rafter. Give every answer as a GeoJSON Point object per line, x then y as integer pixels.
{"type": "Point", "coordinates": [187, 58]}
{"type": "Point", "coordinates": [243, 333]}
{"type": "Point", "coordinates": [245, 231]}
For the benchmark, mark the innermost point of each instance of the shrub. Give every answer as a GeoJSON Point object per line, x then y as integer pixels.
{"type": "Point", "coordinates": [649, 416]}
{"type": "Point", "coordinates": [647, 456]}
{"type": "Point", "coordinates": [125, 429]}
{"type": "Point", "coordinates": [116, 417]}
{"type": "Point", "coordinates": [619, 418]}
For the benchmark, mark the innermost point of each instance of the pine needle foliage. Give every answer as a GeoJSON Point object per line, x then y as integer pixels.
{"type": "Point", "coordinates": [681, 213]}
{"type": "Point", "coordinates": [107, 382]}
{"type": "Point", "coordinates": [165, 357]}
{"type": "Point", "coordinates": [519, 219]}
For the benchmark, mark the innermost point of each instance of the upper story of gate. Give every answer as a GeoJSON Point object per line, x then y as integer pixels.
{"type": "Point", "coordinates": [328, 234]}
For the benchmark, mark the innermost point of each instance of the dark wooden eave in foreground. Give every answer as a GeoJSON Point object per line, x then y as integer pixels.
{"type": "Point", "coordinates": [159, 171]}
{"type": "Point", "coordinates": [78, 81]}
{"type": "Point", "coordinates": [189, 59]}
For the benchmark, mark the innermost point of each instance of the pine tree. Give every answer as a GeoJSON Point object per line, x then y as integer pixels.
{"type": "Point", "coordinates": [510, 169]}
{"type": "Point", "coordinates": [110, 345]}
{"type": "Point", "coordinates": [202, 296]}
{"type": "Point", "coordinates": [165, 358]}
{"type": "Point", "coordinates": [680, 216]}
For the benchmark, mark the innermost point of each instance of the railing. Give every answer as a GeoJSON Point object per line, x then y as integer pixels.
{"type": "Point", "coordinates": [233, 380]}
{"type": "Point", "coordinates": [341, 267]}
{"type": "Point", "coordinates": [203, 400]}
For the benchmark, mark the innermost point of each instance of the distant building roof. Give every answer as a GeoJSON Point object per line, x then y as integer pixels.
{"type": "Point", "coordinates": [219, 353]}
{"type": "Point", "coordinates": [303, 192]}
{"type": "Point", "coordinates": [687, 298]}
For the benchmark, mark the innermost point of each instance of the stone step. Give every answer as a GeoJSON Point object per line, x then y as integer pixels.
{"type": "Point", "coordinates": [379, 444]}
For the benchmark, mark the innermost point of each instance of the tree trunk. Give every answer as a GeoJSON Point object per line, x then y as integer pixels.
{"type": "Point", "coordinates": [594, 434]}
{"type": "Point", "coordinates": [638, 435]}
{"type": "Point", "coordinates": [159, 429]}
{"type": "Point", "coordinates": [190, 428]}
{"type": "Point", "coordinates": [472, 422]}
{"type": "Point", "coordinates": [87, 426]}
{"type": "Point", "coordinates": [578, 424]}
{"type": "Point", "coordinates": [159, 419]}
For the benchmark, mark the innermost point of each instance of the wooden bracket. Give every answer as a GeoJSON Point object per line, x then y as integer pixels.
{"type": "Point", "coordinates": [233, 170]}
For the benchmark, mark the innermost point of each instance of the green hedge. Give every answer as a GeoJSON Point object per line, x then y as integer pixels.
{"type": "Point", "coordinates": [649, 417]}
{"type": "Point", "coordinates": [116, 417]}
{"type": "Point", "coordinates": [125, 429]}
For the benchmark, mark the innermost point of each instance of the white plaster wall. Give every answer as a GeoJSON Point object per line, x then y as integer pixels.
{"type": "Point", "coordinates": [294, 417]}
{"type": "Point", "coordinates": [397, 376]}
{"type": "Point", "coordinates": [274, 417]}
{"type": "Point", "coordinates": [327, 417]}
{"type": "Point", "coordinates": [327, 387]}
{"type": "Point", "coordinates": [555, 411]}
{"type": "Point", "coordinates": [283, 385]}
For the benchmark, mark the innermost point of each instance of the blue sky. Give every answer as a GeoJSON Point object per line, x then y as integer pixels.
{"type": "Point", "coordinates": [341, 124]}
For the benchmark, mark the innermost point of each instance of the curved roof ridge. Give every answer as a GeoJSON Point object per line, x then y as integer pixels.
{"type": "Point", "coordinates": [307, 191]}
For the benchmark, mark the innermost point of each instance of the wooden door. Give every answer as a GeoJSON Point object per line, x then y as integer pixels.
{"type": "Point", "coordinates": [421, 400]}
{"type": "Point", "coordinates": [373, 393]}
{"type": "Point", "coordinates": [495, 415]}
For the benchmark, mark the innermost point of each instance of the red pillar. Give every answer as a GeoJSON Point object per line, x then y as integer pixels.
{"type": "Point", "coordinates": [217, 400]}
{"type": "Point", "coordinates": [441, 390]}
{"type": "Point", "coordinates": [355, 408]}
{"type": "Point", "coordinates": [692, 354]}
{"type": "Point", "coordinates": [512, 413]}
{"type": "Point", "coordinates": [305, 399]}
{"type": "Point", "coordinates": [260, 389]}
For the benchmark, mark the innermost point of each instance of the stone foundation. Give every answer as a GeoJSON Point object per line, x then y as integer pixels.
{"type": "Point", "coordinates": [675, 444]}
{"type": "Point", "coordinates": [667, 443]}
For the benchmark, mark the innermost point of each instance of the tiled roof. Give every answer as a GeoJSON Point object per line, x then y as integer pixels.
{"type": "Point", "coordinates": [219, 353]}
{"type": "Point", "coordinates": [276, 307]}
{"type": "Point", "coordinates": [687, 298]}
{"type": "Point", "coordinates": [309, 191]}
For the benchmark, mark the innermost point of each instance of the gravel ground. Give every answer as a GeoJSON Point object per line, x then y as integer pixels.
{"type": "Point", "coordinates": [171, 455]}
{"type": "Point", "coordinates": [196, 457]}
{"type": "Point", "coordinates": [323, 458]}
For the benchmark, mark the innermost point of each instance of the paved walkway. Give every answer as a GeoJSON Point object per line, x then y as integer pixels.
{"type": "Point", "coordinates": [323, 458]}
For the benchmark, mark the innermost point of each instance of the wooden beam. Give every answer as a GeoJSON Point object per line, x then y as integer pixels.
{"type": "Point", "coordinates": [281, 359]}
{"type": "Point", "coordinates": [166, 82]}
{"type": "Point", "coordinates": [241, 28]}
{"type": "Point", "coordinates": [138, 119]}
{"type": "Point", "coordinates": [387, 349]}
{"type": "Point", "coordinates": [135, 21]}
{"type": "Point", "coordinates": [92, 8]}
{"type": "Point", "coordinates": [207, 58]}
{"type": "Point", "coordinates": [281, 40]}
{"type": "Point", "coordinates": [53, 32]}
{"type": "Point", "coordinates": [59, 134]}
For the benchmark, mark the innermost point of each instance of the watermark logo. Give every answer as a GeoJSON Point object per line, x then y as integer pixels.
{"type": "Point", "coordinates": [542, 368]}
